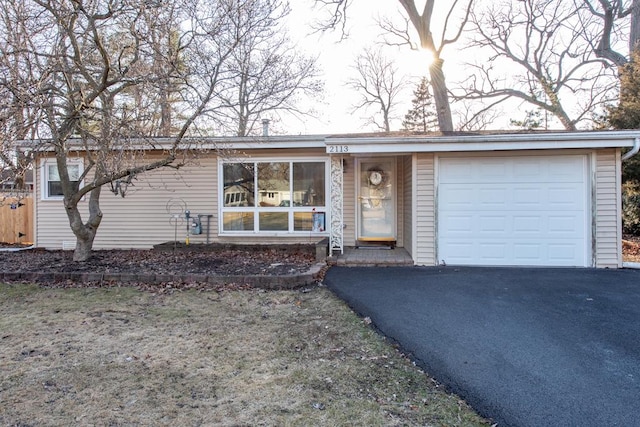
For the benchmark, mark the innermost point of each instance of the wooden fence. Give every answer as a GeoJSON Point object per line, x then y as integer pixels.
{"type": "Point", "coordinates": [16, 220]}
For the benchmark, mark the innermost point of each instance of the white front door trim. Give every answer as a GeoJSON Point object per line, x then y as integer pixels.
{"type": "Point", "coordinates": [376, 199]}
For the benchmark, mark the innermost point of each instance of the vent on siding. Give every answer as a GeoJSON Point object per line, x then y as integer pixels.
{"type": "Point", "coordinates": [68, 245]}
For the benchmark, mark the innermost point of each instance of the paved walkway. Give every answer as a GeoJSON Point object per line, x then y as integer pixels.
{"type": "Point", "coordinates": [525, 347]}
{"type": "Point", "coordinates": [373, 256]}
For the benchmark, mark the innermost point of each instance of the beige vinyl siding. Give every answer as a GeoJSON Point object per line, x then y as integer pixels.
{"type": "Point", "coordinates": [425, 210]}
{"type": "Point", "coordinates": [407, 205]}
{"type": "Point", "coordinates": [140, 219]}
{"type": "Point", "coordinates": [608, 227]}
{"type": "Point", "coordinates": [349, 201]}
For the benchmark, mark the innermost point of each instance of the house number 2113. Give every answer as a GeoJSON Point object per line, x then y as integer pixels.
{"type": "Point", "coordinates": [338, 149]}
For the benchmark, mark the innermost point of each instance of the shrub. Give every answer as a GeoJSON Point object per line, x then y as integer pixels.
{"type": "Point", "coordinates": [631, 208]}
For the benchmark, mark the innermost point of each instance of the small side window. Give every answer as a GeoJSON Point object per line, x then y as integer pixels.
{"type": "Point", "coordinates": [52, 187]}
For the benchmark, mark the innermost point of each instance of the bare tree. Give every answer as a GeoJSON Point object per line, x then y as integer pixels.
{"type": "Point", "coordinates": [17, 117]}
{"type": "Point", "coordinates": [475, 118]}
{"type": "Point", "coordinates": [88, 59]}
{"type": "Point", "coordinates": [550, 61]}
{"type": "Point", "coordinates": [270, 74]}
{"type": "Point", "coordinates": [610, 25]}
{"type": "Point", "coordinates": [378, 84]}
{"type": "Point", "coordinates": [421, 23]}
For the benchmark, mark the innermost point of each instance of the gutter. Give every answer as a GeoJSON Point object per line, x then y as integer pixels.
{"type": "Point", "coordinates": [485, 138]}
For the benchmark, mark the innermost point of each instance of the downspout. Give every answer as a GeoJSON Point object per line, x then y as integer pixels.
{"type": "Point", "coordinates": [636, 147]}
{"type": "Point", "coordinates": [629, 154]}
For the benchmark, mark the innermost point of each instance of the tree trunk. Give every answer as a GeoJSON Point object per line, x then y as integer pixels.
{"type": "Point", "coordinates": [84, 247]}
{"type": "Point", "coordinates": [242, 125]}
{"type": "Point", "coordinates": [85, 232]}
{"type": "Point", "coordinates": [387, 124]}
{"type": "Point", "coordinates": [564, 119]}
{"type": "Point", "coordinates": [634, 32]}
{"type": "Point", "coordinates": [556, 106]}
{"type": "Point", "coordinates": [165, 110]}
{"type": "Point", "coordinates": [440, 95]}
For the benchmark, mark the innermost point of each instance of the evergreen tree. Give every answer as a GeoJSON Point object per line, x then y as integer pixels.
{"type": "Point", "coordinates": [533, 120]}
{"type": "Point", "coordinates": [626, 115]}
{"type": "Point", "coordinates": [422, 116]}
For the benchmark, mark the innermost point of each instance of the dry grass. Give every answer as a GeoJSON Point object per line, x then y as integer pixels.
{"type": "Point", "coordinates": [121, 357]}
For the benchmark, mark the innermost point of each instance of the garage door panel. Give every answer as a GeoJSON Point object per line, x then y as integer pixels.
{"type": "Point", "coordinates": [462, 252]}
{"type": "Point", "coordinates": [527, 253]}
{"type": "Point", "coordinates": [534, 214]}
{"type": "Point", "coordinates": [562, 168]}
{"type": "Point", "coordinates": [569, 226]}
{"type": "Point", "coordinates": [523, 225]}
{"type": "Point", "coordinates": [528, 171]}
{"type": "Point", "coordinates": [457, 197]}
{"type": "Point", "coordinates": [492, 252]}
{"type": "Point", "coordinates": [567, 197]}
{"type": "Point", "coordinates": [527, 197]}
{"type": "Point", "coordinates": [494, 197]}
{"type": "Point", "coordinates": [497, 224]}
{"type": "Point", "coordinates": [462, 225]}
{"type": "Point", "coordinates": [491, 171]}
{"type": "Point", "coordinates": [560, 253]}
{"type": "Point", "coordinates": [506, 254]}
{"type": "Point", "coordinates": [456, 171]}
{"type": "Point", "coordinates": [493, 224]}
{"type": "Point", "coordinates": [479, 197]}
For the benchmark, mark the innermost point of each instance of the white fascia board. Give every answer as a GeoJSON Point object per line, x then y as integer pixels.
{"type": "Point", "coordinates": [205, 143]}
{"type": "Point", "coordinates": [612, 139]}
{"type": "Point", "coordinates": [268, 142]}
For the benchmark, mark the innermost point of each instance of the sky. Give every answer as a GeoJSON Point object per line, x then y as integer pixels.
{"type": "Point", "coordinates": [336, 59]}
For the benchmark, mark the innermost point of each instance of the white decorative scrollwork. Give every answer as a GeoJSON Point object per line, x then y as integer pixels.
{"type": "Point", "coordinates": [336, 236]}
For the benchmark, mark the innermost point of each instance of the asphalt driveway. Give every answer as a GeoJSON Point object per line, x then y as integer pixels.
{"type": "Point", "coordinates": [525, 347]}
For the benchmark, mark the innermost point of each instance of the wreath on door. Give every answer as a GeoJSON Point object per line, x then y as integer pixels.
{"type": "Point", "coordinates": [377, 178]}
{"type": "Point", "coordinates": [378, 181]}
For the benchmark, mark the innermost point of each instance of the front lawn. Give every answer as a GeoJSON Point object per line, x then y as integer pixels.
{"type": "Point", "coordinates": [123, 357]}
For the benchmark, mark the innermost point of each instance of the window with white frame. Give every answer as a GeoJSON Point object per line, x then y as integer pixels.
{"type": "Point", "coordinates": [274, 196]}
{"type": "Point", "coordinates": [51, 185]}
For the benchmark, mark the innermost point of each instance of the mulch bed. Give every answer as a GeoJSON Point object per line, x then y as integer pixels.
{"type": "Point", "coordinates": [182, 268]}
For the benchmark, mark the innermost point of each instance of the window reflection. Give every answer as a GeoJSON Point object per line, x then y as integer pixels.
{"type": "Point", "coordinates": [237, 221]}
{"type": "Point", "coordinates": [273, 184]}
{"type": "Point", "coordinates": [308, 184]}
{"type": "Point", "coordinates": [274, 221]}
{"type": "Point", "coordinates": [238, 184]}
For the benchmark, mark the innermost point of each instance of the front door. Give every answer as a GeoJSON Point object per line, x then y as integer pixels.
{"type": "Point", "coordinates": [377, 200]}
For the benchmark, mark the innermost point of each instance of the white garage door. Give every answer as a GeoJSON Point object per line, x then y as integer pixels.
{"type": "Point", "coordinates": [513, 211]}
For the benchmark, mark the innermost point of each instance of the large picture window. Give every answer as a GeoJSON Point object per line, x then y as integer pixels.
{"type": "Point", "coordinates": [274, 196]}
